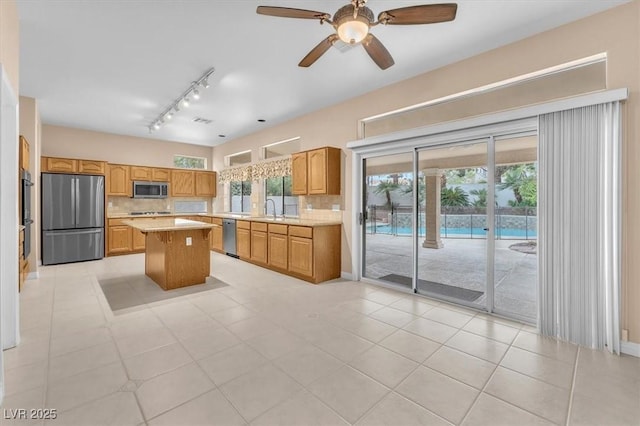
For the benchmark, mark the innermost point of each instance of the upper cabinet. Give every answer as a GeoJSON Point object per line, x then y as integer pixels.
{"type": "Point", "coordinates": [205, 184]}
{"type": "Point", "coordinates": [182, 183]}
{"type": "Point", "coordinates": [316, 172]}
{"type": "Point", "coordinates": [118, 180]}
{"type": "Point", "coordinates": [160, 175]}
{"type": "Point", "coordinates": [24, 153]}
{"type": "Point", "coordinates": [72, 165]}
{"type": "Point", "coordinates": [140, 173]}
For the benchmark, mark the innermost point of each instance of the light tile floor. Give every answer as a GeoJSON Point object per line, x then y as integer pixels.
{"type": "Point", "coordinates": [272, 350]}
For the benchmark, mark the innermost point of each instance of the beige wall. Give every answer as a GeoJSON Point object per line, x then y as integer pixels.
{"type": "Point", "coordinates": [9, 41]}
{"type": "Point", "coordinates": [31, 129]}
{"type": "Point", "coordinates": [78, 143]}
{"type": "Point", "coordinates": [615, 32]}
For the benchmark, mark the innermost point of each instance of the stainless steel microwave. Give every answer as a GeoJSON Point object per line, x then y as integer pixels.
{"type": "Point", "coordinates": [150, 189]}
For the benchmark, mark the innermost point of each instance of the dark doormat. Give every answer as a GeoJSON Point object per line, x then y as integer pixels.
{"type": "Point", "coordinates": [136, 290]}
{"type": "Point", "coordinates": [436, 288]}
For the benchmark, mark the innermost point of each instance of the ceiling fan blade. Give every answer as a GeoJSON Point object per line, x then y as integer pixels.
{"type": "Point", "coordinates": [414, 15]}
{"type": "Point", "coordinates": [318, 51]}
{"type": "Point", "coordinates": [287, 12]}
{"type": "Point", "coordinates": [378, 52]}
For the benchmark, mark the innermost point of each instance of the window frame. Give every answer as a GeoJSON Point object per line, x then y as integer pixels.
{"type": "Point", "coordinates": [190, 157]}
{"type": "Point", "coordinates": [243, 184]}
{"type": "Point", "coordinates": [282, 197]}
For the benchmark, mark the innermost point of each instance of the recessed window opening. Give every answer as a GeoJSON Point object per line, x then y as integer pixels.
{"type": "Point", "coordinates": [281, 148]}
{"type": "Point", "coordinates": [189, 162]}
{"type": "Point", "coordinates": [237, 159]}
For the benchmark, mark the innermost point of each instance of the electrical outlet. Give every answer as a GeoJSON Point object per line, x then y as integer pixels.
{"type": "Point", "coordinates": [189, 241]}
{"type": "Point", "coordinates": [336, 207]}
{"type": "Point", "coordinates": [309, 207]}
{"type": "Point", "coordinates": [110, 204]}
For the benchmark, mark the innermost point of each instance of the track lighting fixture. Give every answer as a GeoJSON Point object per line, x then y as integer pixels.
{"type": "Point", "coordinates": [182, 101]}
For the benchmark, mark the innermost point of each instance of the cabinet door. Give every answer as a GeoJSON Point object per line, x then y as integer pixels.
{"type": "Point", "coordinates": [118, 179]}
{"type": "Point", "coordinates": [216, 238]}
{"type": "Point", "coordinates": [299, 173]}
{"type": "Point", "coordinates": [140, 173]}
{"type": "Point", "coordinates": [205, 184]}
{"type": "Point", "coordinates": [91, 167]}
{"type": "Point", "coordinates": [182, 183]}
{"type": "Point", "coordinates": [24, 153]}
{"type": "Point", "coordinates": [278, 250]}
{"type": "Point", "coordinates": [317, 171]}
{"type": "Point", "coordinates": [259, 244]}
{"type": "Point", "coordinates": [160, 175]}
{"type": "Point", "coordinates": [138, 240]}
{"type": "Point", "coordinates": [63, 165]}
{"type": "Point", "coordinates": [301, 255]}
{"type": "Point", "coordinates": [119, 239]}
{"type": "Point", "coordinates": [243, 243]}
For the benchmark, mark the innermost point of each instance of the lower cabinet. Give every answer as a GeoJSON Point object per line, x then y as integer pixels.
{"type": "Point", "coordinates": [120, 240]}
{"type": "Point", "coordinates": [259, 243]}
{"type": "Point", "coordinates": [243, 239]}
{"type": "Point", "coordinates": [216, 234]}
{"type": "Point", "coordinates": [138, 240]}
{"type": "Point", "coordinates": [278, 250]}
{"type": "Point", "coordinates": [301, 255]}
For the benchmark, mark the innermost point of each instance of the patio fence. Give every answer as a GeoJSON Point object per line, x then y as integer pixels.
{"type": "Point", "coordinates": [456, 222]}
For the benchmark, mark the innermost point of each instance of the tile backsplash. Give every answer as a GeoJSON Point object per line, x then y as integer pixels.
{"type": "Point", "coordinates": [120, 205]}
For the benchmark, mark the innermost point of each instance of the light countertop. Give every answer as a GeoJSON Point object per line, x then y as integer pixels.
{"type": "Point", "coordinates": [265, 219]}
{"type": "Point", "coordinates": [165, 224]}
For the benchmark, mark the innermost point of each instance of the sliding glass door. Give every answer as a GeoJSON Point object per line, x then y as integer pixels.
{"type": "Point", "coordinates": [456, 221]}
{"type": "Point", "coordinates": [452, 247]}
{"type": "Point", "coordinates": [387, 224]}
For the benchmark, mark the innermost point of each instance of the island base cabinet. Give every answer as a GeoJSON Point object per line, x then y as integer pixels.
{"type": "Point", "coordinates": [178, 258]}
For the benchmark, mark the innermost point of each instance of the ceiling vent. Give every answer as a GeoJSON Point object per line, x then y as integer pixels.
{"type": "Point", "coordinates": [202, 120]}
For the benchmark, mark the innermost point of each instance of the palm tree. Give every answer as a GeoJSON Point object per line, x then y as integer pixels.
{"type": "Point", "coordinates": [521, 179]}
{"type": "Point", "coordinates": [454, 197]}
{"type": "Point", "coordinates": [386, 187]}
{"type": "Point", "coordinates": [481, 200]}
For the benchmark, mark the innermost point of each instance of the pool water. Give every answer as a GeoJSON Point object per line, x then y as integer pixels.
{"type": "Point", "coordinates": [444, 232]}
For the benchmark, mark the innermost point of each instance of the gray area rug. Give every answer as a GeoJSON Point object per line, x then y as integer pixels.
{"type": "Point", "coordinates": [136, 290]}
{"type": "Point", "coordinates": [436, 288]}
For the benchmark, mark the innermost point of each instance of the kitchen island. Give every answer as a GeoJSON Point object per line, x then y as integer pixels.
{"type": "Point", "coordinates": [176, 252]}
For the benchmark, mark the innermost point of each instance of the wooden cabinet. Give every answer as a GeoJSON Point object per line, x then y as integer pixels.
{"type": "Point", "coordinates": [138, 240]}
{"type": "Point", "coordinates": [243, 239]}
{"type": "Point", "coordinates": [301, 255]}
{"type": "Point", "coordinates": [72, 165]}
{"type": "Point", "coordinates": [91, 167]}
{"type": "Point", "coordinates": [119, 240]}
{"type": "Point", "coordinates": [216, 234]}
{"type": "Point", "coordinates": [316, 172]}
{"type": "Point", "coordinates": [118, 181]}
{"type": "Point", "coordinates": [259, 242]}
{"type": "Point", "coordinates": [182, 183]}
{"type": "Point", "coordinates": [205, 184]}
{"type": "Point", "coordinates": [24, 153]}
{"type": "Point", "coordinates": [140, 173]}
{"type": "Point", "coordinates": [60, 165]}
{"type": "Point", "coordinates": [299, 173]}
{"type": "Point", "coordinates": [160, 175]}
{"type": "Point", "coordinates": [278, 248]}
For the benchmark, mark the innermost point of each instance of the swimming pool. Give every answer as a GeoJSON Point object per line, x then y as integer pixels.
{"type": "Point", "coordinates": [456, 232]}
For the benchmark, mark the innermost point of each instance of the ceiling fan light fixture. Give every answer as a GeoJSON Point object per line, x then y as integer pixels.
{"type": "Point", "coordinates": [353, 29]}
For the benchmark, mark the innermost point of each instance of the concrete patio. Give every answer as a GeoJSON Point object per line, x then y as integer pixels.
{"type": "Point", "coordinates": [461, 263]}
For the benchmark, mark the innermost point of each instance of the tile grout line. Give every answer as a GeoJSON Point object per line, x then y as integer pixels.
{"type": "Point", "coordinates": [573, 386]}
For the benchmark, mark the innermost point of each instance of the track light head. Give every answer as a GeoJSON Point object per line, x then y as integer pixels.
{"type": "Point", "coordinates": [185, 102]}
{"type": "Point", "coordinates": [196, 94]}
{"type": "Point", "coordinates": [156, 125]}
{"type": "Point", "coordinates": [205, 83]}
{"type": "Point", "coordinates": [169, 115]}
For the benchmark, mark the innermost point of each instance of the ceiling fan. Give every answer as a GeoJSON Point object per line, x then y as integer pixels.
{"type": "Point", "coordinates": [353, 21]}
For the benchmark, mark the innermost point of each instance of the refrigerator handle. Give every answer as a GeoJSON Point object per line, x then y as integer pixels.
{"type": "Point", "coordinates": [76, 184]}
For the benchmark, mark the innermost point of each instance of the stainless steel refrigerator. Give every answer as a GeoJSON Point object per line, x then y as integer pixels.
{"type": "Point", "coordinates": [72, 218]}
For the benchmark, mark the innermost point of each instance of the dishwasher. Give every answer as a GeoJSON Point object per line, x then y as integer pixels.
{"type": "Point", "coordinates": [229, 237]}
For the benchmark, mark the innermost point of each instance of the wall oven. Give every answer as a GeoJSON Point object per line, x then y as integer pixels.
{"type": "Point", "coordinates": [150, 189]}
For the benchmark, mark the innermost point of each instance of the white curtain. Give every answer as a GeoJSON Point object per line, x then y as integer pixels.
{"type": "Point", "coordinates": [579, 225]}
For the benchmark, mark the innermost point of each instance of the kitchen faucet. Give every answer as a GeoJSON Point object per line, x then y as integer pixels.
{"type": "Point", "coordinates": [274, 207]}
